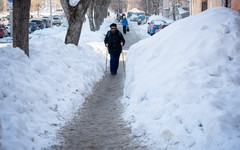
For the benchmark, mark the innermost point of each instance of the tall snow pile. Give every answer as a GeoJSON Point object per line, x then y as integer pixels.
{"type": "Point", "coordinates": [41, 93]}
{"type": "Point", "coordinates": [182, 85]}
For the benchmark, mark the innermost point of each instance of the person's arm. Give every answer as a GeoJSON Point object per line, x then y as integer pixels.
{"type": "Point", "coordinates": [106, 39]}
{"type": "Point", "coordinates": [122, 40]}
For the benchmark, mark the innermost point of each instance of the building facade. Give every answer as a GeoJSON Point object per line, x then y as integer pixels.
{"type": "Point", "coordinates": [197, 6]}
{"type": "Point", "coordinates": [170, 8]}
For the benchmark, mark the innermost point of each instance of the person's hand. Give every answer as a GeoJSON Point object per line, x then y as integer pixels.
{"type": "Point", "coordinates": [107, 45]}
{"type": "Point", "coordinates": [121, 43]}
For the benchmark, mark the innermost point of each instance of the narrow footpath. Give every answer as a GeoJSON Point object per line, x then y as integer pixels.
{"type": "Point", "coordinates": [99, 125]}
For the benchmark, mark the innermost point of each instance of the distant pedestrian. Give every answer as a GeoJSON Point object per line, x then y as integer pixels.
{"type": "Point", "coordinates": [114, 41]}
{"type": "Point", "coordinates": [125, 24]}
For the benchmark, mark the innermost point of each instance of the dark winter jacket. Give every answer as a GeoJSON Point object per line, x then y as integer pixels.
{"type": "Point", "coordinates": [114, 42]}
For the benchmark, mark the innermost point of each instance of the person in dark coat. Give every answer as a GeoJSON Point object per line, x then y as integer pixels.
{"type": "Point", "coordinates": [114, 41]}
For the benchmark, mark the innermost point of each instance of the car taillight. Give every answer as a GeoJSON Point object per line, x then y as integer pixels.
{"type": "Point", "coordinates": [154, 26]}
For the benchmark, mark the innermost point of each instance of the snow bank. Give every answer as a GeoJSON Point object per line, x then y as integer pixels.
{"type": "Point", "coordinates": [182, 85]}
{"type": "Point", "coordinates": [40, 94]}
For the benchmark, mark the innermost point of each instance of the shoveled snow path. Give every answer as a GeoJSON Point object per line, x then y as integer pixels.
{"type": "Point", "coordinates": [99, 124]}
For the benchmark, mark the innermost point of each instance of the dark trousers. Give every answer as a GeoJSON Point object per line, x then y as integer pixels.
{"type": "Point", "coordinates": [114, 61]}
{"type": "Point", "coordinates": [124, 29]}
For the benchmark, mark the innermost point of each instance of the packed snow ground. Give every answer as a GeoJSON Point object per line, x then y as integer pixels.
{"type": "Point", "coordinates": [182, 85]}
{"type": "Point", "coordinates": [41, 93]}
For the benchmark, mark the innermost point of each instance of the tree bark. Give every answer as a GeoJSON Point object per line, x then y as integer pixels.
{"type": "Point", "coordinates": [97, 13]}
{"type": "Point", "coordinates": [75, 16]}
{"type": "Point", "coordinates": [20, 24]}
{"type": "Point", "coordinates": [90, 15]}
{"type": "Point", "coordinates": [100, 9]}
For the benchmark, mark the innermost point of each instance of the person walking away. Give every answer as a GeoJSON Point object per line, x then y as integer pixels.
{"type": "Point", "coordinates": [114, 41]}
{"type": "Point", "coordinates": [125, 24]}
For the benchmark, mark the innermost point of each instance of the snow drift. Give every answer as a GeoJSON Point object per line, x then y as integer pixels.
{"type": "Point", "coordinates": [182, 85]}
{"type": "Point", "coordinates": [40, 94]}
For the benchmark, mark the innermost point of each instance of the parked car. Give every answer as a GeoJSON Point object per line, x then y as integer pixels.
{"type": "Point", "coordinates": [153, 25]}
{"type": "Point", "coordinates": [161, 26]}
{"type": "Point", "coordinates": [33, 26]}
{"type": "Point", "coordinates": [8, 26]}
{"type": "Point", "coordinates": [155, 20]}
{"type": "Point", "coordinates": [129, 14]}
{"type": "Point", "coordinates": [4, 21]}
{"type": "Point", "coordinates": [56, 21]}
{"type": "Point", "coordinates": [47, 23]}
{"type": "Point", "coordinates": [146, 18]}
{"type": "Point", "coordinates": [141, 19]}
{"type": "Point", "coordinates": [46, 17]}
{"type": "Point", "coordinates": [39, 22]}
{"type": "Point", "coordinates": [134, 17]}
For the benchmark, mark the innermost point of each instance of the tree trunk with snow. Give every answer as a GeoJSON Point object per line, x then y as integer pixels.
{"type": "Point", "coordinates": [90, 16]}
{"type": "Point", "coordinates": [75, 16]}
{"type": "Point", "coordinates": [100, 6]}
{"type": "Point", "coordinates": [20, 24]}
{"type": "Point", "coordinates": [105, 10]}
{"type": "Point", "coordinates": [174, 9]}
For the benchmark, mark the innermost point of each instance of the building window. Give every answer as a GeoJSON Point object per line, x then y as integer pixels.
{"type": "Point", "coordinates": [226, 3]}
{"type": "Point", "coordinates": [204, 5]}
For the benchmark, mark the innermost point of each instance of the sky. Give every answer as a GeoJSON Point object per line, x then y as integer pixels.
{"type": "Point", "coordinates": [181, 89]}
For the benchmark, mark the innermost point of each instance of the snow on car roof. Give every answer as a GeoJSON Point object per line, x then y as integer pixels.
{"type": "Point", "coordinates": [159, 17]}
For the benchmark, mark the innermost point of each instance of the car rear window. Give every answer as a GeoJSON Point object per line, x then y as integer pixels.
{"type": "Point", "coordinates": [37, 21]}
{"type": "Point", "coordinates": [159, 22]}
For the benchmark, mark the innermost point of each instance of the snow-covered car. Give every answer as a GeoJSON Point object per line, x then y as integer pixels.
{"type": "Point", "coordinates": [4, 21]}
{"type": "Point", "coordinates": [39, 22]}
{"type": "Point", "coordinates": [134, 17]}
{"type": "Point", "coordinates": [56, 21]}
{"type": "Point", "coordinates": [154, 21]}
{"type": "Point", "coordinates": [8, 26]}
{"type": "Point", "coordinates": [153, 26]}
{"type": "Point", "coordinates": [141, 19]}
{"type": "Point", "coordinates": [33, 26]}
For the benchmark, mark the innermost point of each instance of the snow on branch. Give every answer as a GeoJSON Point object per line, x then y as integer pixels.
{"type": "Point", "coordinates": [74, 2]}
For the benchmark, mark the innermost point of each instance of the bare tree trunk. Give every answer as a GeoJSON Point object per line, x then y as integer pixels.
{"type": "Point", "coordinates": [90, 16]}
{"type": "Point", "coordinates": [97, 13]}
{"type": "Point", "coordinates": [75, 16]}
{"type": "Point", "coordinates": [21, 10]}
{"type": "Point", "coordinates": [105, 10]}
{"type": "Point", "coordinates": [174, 9]}
{"type": "Point", "coordinates": [100, 7]}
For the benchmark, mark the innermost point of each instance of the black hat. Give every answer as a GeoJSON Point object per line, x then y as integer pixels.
{"type": "Point", "coordinates": [113, 25]}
